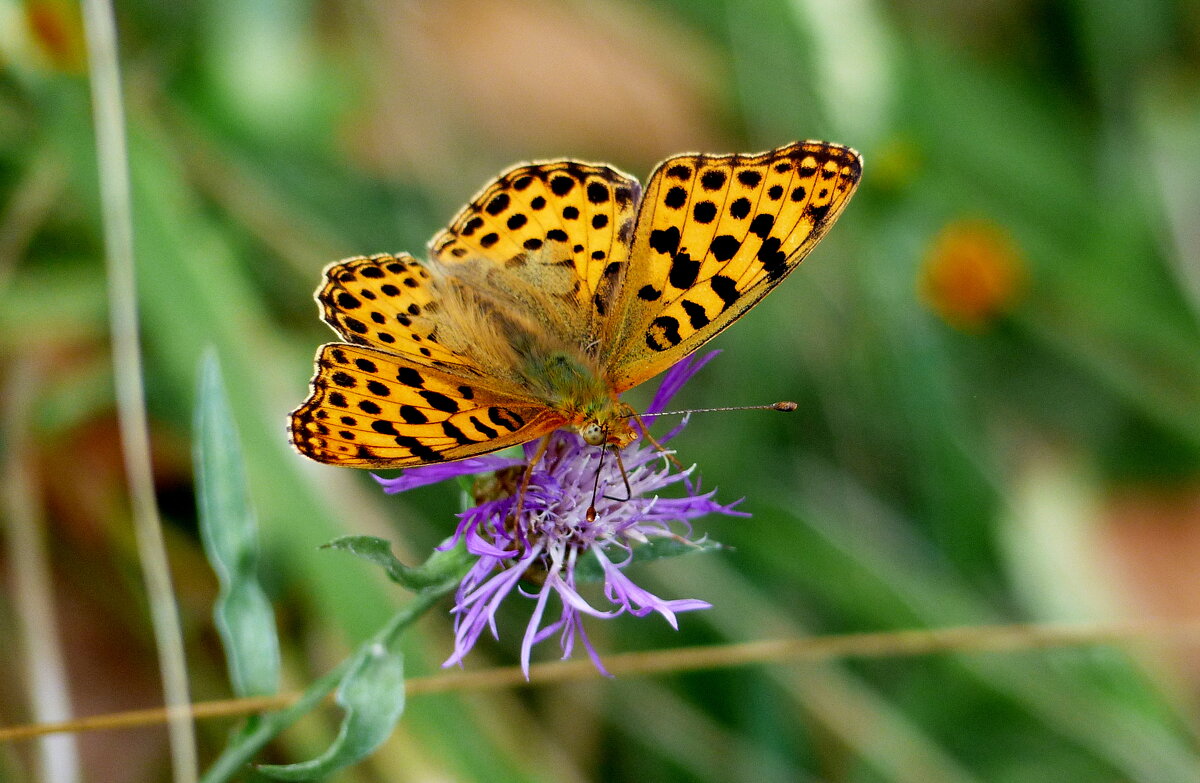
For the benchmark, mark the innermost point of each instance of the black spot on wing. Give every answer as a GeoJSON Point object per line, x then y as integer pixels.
{"type": "Point", "coordinates": [773, 260]}
{"type": "Point", "coordinates": [410, 377]}
{"type": "Point", "coordinates": [696, 315]}
{"type": "Point", "coordinates": [663, 333]}
{"type": "Point", "coordinates": [454, 432]}
{"type": "Point", "coordinates": [676, 197]}
{"type": "Point", "coordinates": [683, 271]}
{"type": "Point", "coordinates": [749, 178]}
{"type": "Point", "coordinates": [762, 224]}
{"type": "Point", "coordinates": [665, 240]}
{"type": "Point", "coordinates": [680, 171]}
{"type": "Point", "coordinates": [505, 418]}
{"type": "Point", "coordinates": [487, 431]}
{"type": "Point", "coordinates": [439, 401]}
{"type": "Point", "coordinates": [419, 449]}
{"type": "Point", "coordinates": [497, 204]}
{"type": "Point", "coordinates": [384, 427]}
{"type": "Point", "coordinates": [713, 180]}
{"type": "Point", "coordinates": [726, 289]}
{"type": "Point", "coordinates": [412, 415]}
{"type": "Point", "coordinates": [724, 247]}
{"type": "Point", "coordinates": [704, 212]}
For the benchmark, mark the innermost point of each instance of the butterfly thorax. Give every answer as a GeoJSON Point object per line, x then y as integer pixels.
{"type": "Point", "coordinates": [573, 386]}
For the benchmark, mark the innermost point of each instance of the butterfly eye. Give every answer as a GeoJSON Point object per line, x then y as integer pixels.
{"type": "Point", "coordinates": [593, 434]}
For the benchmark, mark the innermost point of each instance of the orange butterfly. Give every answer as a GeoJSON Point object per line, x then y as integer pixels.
{"type": "Point", "coordinates": [560, 286]}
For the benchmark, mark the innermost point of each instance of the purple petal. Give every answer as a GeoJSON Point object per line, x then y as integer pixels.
{"type": "Point", "coordinates": [620, 589]}
{"type": "Point", "coordinates": [587, 645]}
{"type": "Point", "coordinates": [477, 610]}
{"type": "Point", "coordinates": [675, 379]}
{"type": "Point", "coordinates": [432, 474]}
{"type": "Point", "coordinates": [531, 630]}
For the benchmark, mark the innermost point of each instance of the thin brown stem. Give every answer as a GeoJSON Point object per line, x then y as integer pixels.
{"type": "Point", "coordinates": [883, 644]}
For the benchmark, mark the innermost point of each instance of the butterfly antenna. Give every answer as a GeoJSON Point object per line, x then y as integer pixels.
{"type": "Point", "coordinates": [783, 405]}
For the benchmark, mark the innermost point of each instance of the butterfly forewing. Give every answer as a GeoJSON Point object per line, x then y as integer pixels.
{"type": "Point", "coordinates": [565, 223]}
{"type": "Point", "coordinates": [714, 235]}
{"type": "Point", "coordinates": [388, 302]}
{"type": "Point", "coordinates": [369, 408]}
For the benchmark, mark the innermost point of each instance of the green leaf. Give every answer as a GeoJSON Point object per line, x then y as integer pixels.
{"type": "Point", "coordinates": [372, 693]}
{"type": "Point", "coordinates": [589, 570]}
{"type": "Point", "coordinates": [439, 568]}
{"type": "Point", "coordinates": [229, 532]}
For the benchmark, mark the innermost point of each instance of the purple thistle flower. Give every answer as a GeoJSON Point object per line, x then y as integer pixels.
{"type": "Point", "coordinates": [545, 546]}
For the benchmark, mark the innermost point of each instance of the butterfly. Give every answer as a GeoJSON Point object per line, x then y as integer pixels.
{"type": "Point", "coordinates": [560, 286]}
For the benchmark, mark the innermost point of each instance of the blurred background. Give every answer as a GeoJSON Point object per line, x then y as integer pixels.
{"type": "Point", "coordinates": [996, 354]}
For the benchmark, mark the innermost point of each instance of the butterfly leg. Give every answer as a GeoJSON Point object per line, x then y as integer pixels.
{"type": "Point", "coordinates": [624, 477]}
{"type": "Point", "coordinates": [661, 448]}
{"type": "Point", "coordinates": [534, 460]}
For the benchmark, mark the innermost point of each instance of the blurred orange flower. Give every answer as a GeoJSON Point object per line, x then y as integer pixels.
{"type": "Point", "coordinates": [56, 30]}
{"type": "Point", "coordinates": [972, 273]}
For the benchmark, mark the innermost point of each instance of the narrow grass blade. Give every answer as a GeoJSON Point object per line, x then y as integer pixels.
{"type": "Point", "coordinates": [229, 531]}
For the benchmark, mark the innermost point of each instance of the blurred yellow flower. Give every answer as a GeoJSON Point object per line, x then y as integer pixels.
{"type": "Point", "coordinates": [972, 273]}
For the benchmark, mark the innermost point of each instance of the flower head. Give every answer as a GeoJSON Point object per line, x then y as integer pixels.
{"type": "Point", "coordinates": [972, 274]}
{"type": "Point", "coordinates": [538, 552]}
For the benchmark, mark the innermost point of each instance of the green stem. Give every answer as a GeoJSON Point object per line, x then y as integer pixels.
{"type": "Point", "coordinates": [235, 756]}
{"type": "Point", "coordinates": [100, 30]}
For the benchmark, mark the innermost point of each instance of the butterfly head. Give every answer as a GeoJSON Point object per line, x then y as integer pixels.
{"type": "Point", "coordinates": [609, 427]}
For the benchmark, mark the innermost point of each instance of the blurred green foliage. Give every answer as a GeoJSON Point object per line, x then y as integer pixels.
{"type": "Point", "coordinates": [1041, 462]}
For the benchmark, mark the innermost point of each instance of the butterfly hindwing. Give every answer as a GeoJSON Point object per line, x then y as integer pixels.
{"type": "Point", "coordinates": [368, 408]}
{"type": "Point", "coordinates": [714, 235]}
{"type": "Point", "coordinates": [562, 226]}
